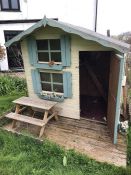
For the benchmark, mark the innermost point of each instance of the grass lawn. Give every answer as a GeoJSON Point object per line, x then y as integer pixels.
{"type": "Point", "coordinates": [20, 155]}
{"type": "Point", "coordinates": [6, 102]}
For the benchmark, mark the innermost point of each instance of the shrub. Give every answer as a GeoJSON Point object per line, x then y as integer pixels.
{"type": "Point", "coordinates": [2, 52]}
{"type": "Point", "coordinates": [10, 85]}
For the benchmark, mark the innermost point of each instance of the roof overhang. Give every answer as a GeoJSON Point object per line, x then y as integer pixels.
{"type": "Point", "coordinates": [72, 29]}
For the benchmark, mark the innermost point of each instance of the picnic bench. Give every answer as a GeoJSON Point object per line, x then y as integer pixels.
{"type": "Point", "coordinates": [39, 104]}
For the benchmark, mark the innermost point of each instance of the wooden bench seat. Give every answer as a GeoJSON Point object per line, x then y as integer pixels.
{"type": "Point", "coordinates": [23, 118]}
{"type": "Point", "coordinates": [46, 106]}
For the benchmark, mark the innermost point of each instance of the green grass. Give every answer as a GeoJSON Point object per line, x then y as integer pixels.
{"type": "Point", "coordinates": [11, 88]}
{"type": "Point", "coordinates": [6, 101]}
{"type": "Point", "coordinates": [129, 147]}
{"type": "Point", "coordinates": [20, 155]}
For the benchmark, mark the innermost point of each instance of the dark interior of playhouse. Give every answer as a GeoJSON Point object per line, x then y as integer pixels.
{"type": "Point", "coordinates": [94, 83]}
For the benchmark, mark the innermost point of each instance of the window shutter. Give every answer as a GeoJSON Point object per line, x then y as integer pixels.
{"type": "Point", "coordinates": [36, 81]}
{"type": "Point", "coordinates": [32, 50]}
{"type": "Point", "coordinates": [66, 50]}
{"type": "Point", "coordinates": [67, 84]}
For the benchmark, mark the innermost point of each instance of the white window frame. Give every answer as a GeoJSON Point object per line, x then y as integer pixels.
{"type": "Point", "coordinates": [49, 51]}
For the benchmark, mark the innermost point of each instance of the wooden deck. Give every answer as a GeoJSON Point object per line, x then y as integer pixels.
{"type": "Point", "coordinates": [84, 136]}
{"type": "Point", "coordinates": [90, 138]}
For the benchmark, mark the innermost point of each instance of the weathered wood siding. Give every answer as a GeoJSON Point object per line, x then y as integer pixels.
{"type": "Point", "coordinates": [70, 107]}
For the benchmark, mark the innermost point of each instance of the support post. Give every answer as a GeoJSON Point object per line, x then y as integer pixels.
{"type": "Point", "coordinates": [17, 112]}
{"type": "Point", "coordinates": [117, 116]}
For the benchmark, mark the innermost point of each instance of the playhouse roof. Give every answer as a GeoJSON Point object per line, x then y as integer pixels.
{"type": "Point", "coordinates": [69, 28]}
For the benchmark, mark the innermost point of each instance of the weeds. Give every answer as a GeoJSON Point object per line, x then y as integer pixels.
{"type": "Point", "coordinates": [11, 85]}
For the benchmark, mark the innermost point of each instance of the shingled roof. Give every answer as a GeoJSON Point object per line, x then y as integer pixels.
{"type": "Point", "coordinates": [69, 28]}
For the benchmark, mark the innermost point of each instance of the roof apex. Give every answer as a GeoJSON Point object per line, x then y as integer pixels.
{"type": "Point", "coordinates": [69, 28]}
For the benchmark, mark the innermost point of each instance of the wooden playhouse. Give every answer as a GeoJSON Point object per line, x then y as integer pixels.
{"type": "Point", "coordinates": [78, 68]}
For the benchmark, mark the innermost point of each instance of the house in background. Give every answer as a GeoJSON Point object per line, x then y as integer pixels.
{"type": "Point", "coordinates": [79, 68]}
{"type": "Point", "coordinates": [18, 15]}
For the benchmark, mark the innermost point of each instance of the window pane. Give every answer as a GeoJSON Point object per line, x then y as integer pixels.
{"type": "Point", "coordinates": [45, 76]}
{"type": "Point", "coordinates": [56, 56]}
{"type": "Point", "coordinates": [46, 87]}
{"type": "Point", "coordinates": [42, 44]}
{"type": "Point", "coordinates": [57, 78]}
{"type": "Point", "coordinates": [5, 4]}
{"type": "Point", "coordinates": [55, 44]}
{"type": "Point", "coordinates": [43, 56]}
{"type": "Point", "coordinates": [58, 88]}
{"type": "Point", "coordinates": [14, 4]}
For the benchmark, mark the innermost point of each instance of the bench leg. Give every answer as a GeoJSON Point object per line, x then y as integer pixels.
{"type": "Point", "coordinates": [45, 120]}
{"type": "Point", "coordinates": [13, 124]}
{"type": "Point", "coordinates": [16, 111]}
{"type": "Point", "coordinates": [56, 117]}
{"type": "Point", "coordinates": [42, 131]}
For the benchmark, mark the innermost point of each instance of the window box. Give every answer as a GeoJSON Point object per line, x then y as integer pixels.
{"type": "Point", "coordinates": [52, 96]}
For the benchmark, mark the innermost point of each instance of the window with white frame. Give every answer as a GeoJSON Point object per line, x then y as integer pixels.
{"type": "Point", "coordinates": [51, 82]}
{"type": "Point", "coordinates": [10, 5]}
{"type": "Point", "coordinates": [49, 50]}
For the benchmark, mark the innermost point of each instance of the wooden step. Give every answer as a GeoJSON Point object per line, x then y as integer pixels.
{"type": "Point", "coordinates": [23, 118]}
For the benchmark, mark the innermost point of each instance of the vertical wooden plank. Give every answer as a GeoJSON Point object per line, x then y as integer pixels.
{"type": "Point", "coordinates": [66, 50]}
{"type": "Point", "coordinates": [36, 81]}
{"type": "Point", "coordinates": [118, 100]}
{"type": "Point", "coordinates": [32, 50]}
{"type": "Point", "coordinates": [63, 54]}
{"type": "Point", "coordinates": [67, 83]}
{"type": "Point", "coordinates": [112, 93]}
{"type": "Point", "coordinates": [124, 89]}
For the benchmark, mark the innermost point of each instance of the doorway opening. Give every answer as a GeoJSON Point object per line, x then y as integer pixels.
{"type": "Point", "coordinates": [94, 82]}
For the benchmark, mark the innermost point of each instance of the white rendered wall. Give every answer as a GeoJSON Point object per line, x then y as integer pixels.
{"type": "Point", "coordinates": [3, 27]}
{"type": "Point", "coordinates": [80, 12]}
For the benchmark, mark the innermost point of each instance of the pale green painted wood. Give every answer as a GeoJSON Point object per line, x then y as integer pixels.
{"type": "Point", "coordinates": [67, 82]}
{"type": "Point", "coordinates": [66, 50]}
{"type": "Point", "coordinates": [117, 115]}
{"type": "Point", "coordinates": [36, 81]}
{"type": "Point", "coordinates": [33, 56]}
{"type": "Point", "coordinates": [32, 50]}
{"type": "Point", "coordinates": [84, 33]}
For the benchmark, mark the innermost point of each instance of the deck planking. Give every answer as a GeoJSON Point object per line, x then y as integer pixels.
{"type": "Point", "coordinates": [88, 137]}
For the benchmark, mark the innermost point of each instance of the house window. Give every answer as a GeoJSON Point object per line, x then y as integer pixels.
{"type": "Point", "coordinates": [10, 5]}
{"type": "Point", "coordinates": [51, 82]}
{"type": "Point", "coordinates": [49, 50]}
{"type": "Point", "coordinates": [14, 54]}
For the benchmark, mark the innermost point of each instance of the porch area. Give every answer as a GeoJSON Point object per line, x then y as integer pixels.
{"type": "Point", "coordinates": [87, 137]}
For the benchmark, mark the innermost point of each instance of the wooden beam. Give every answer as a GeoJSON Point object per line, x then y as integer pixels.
{"type": "Point", "coordinates": [96, 81]}
{"type": "Point", "coordinates": [124, 89]}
